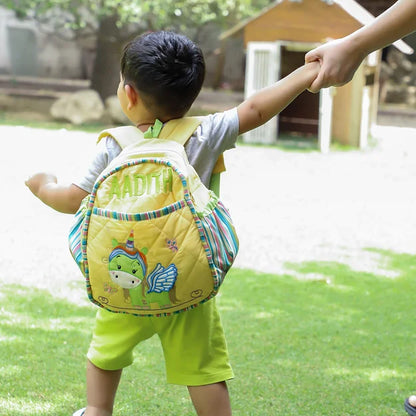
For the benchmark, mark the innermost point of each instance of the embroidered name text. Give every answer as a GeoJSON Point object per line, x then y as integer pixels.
{"type": "Point", "coordinates": [139, 184]}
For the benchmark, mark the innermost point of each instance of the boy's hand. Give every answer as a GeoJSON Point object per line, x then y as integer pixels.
{"type": "Point", "coordinates": [36, 181]}
{"type": "Point", "coordinates": [313, 69]}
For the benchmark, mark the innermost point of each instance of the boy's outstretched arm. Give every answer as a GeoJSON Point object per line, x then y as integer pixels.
{"type": "Point", "coordinates": [62, 198]}
{"type": "Point", "coordinates": [262, 106]}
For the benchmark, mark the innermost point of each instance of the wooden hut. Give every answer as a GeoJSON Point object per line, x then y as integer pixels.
{"type": "Point", "coordinates": [276, 41]}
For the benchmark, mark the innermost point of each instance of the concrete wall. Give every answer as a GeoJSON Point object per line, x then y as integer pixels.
{"type": "Point", "coordinates": [26, 51]}
{"type": "Point", "coordinates": [5, 16]}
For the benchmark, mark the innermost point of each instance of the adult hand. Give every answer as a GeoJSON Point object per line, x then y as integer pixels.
{"type": "Point", "coordinates": [339, 60]}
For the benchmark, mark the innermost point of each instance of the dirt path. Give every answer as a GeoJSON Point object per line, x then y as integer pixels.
{"type": "Point", "coordinates": [297, 207]}
{"type": "Point", "coordinates": [289, 207]}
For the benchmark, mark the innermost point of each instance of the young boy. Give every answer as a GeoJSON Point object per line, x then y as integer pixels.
{"type": "Point", "coordinates": [161, 75]}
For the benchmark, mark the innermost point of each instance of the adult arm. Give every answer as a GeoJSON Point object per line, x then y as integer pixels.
{"type": "Point", "coordinates": [340, 58]}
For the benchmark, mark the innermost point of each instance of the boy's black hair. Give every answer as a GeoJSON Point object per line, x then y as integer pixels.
{"type": "Point", "coordinates": [167, 69]}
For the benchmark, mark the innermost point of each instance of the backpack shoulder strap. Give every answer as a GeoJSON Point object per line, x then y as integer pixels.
{"type": "Point", "coordinates": [180, 129]}
{"type": "Point", "coordinates": [124, 135]}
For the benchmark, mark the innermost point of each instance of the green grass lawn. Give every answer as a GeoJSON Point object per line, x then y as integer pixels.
{"type": "Point", "coordinates": [342, 345]}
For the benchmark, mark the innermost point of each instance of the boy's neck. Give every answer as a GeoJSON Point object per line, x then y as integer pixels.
{"type": "Point", "coordinates": [144, 126]}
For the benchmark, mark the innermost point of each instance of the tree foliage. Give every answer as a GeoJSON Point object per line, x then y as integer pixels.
{"type": "Point", "coordinates": [112, 22]}
{"type": "Point", "coordinates": [82, 17]}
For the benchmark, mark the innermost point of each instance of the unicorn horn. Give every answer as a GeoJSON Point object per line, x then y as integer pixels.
{"type": "Point", "coordinates": [130, 241]}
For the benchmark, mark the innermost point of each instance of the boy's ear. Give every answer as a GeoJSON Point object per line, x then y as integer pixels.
{"type": "Point", "coordinates": [131, 96]}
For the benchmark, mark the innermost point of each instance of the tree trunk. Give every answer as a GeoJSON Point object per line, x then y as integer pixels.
{"type": "Point", "coordinates": [106, 70]}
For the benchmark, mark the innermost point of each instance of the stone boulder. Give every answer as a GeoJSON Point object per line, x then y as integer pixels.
{"type": "Point", "coordinates": [79, 107]}
{"type": "Point", "coordinates": [411, 98]}
{"type": "Point", "coordinates": [398, 78]}
{"type": "Point", "coordinates": [397, 59]}
{"type": "Point", "coordinates": [114, 111]}
{"type": "Point", "coordinates": [396, 94]}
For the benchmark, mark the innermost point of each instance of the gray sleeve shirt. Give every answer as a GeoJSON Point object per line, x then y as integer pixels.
{"type": "Point", "coordinates": [217, 133]}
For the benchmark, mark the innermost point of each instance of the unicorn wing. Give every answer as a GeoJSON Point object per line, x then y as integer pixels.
{"type": "Point", "coordinates": [162, 279]}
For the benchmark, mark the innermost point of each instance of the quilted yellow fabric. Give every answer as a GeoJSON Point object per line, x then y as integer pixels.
{"type": "Point", "coordinates": [145, 250]}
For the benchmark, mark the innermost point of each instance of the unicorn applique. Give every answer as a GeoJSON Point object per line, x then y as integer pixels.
{"type": "Point", "coordinates": [128, 268]}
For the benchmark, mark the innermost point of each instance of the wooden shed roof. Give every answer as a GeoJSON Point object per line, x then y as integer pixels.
{"type": "Point", "coordinates": [313, 21]}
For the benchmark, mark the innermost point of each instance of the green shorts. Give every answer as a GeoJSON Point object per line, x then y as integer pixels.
{"type": "Point", "coordinates": [193, 343]}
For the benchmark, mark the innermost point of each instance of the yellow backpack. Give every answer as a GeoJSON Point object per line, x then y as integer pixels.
{"type": "Point", "coordinates": [151, 239]}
